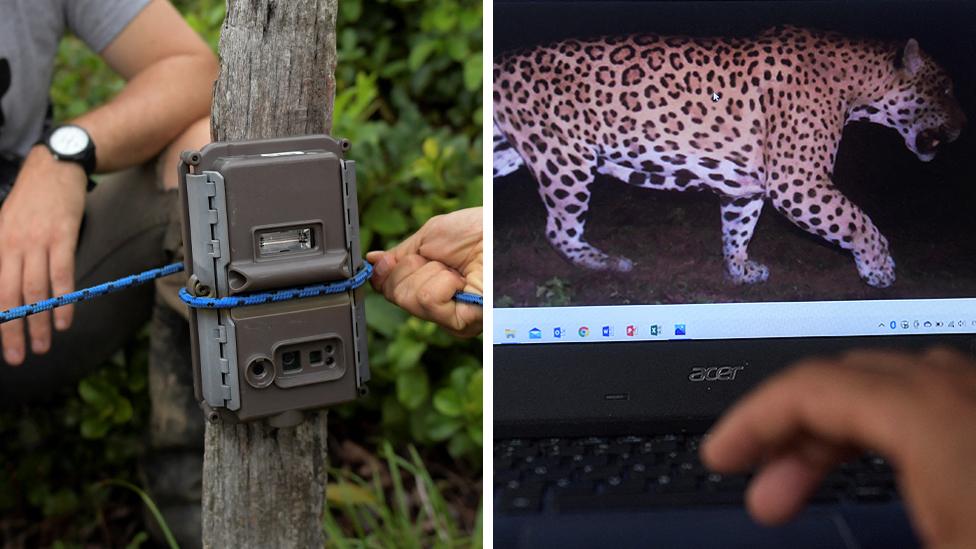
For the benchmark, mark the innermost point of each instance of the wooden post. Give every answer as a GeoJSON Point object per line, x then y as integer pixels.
{"type": "Point", "coordinates": [265, 487]}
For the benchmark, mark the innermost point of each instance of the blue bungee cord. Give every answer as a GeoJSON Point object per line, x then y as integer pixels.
{"type": "Point", "coordinates": [89, 293]}
{"type": "Point", "coordinates": [257, 298]}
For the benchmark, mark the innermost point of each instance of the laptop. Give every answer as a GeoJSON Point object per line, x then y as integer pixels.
{"type": "Point", "coordinates": [607, 375]}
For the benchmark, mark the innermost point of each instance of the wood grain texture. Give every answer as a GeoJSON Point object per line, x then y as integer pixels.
{"type": "Point", "coordinates": [265, 487]}
{"type": "Point", "coordinates": [277, 69]}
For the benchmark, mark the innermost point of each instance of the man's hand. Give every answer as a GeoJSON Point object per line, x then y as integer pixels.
{"type": "Point", "coordinates": [919, 411]}
{"type": "Point", "coordinates": [39, 224]}
{"type": "Point", "coordinates": [422, 273]}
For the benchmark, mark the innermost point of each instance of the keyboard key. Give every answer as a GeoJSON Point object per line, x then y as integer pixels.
{"type": "Point", "coordinates": [623, 472]}
{"type": "Point", "coordinates": [592, 441]}
{"type": "Point", "coordinates": [871, 494]}
{"type": "Point", "coordinates": [529, 490]}
{"type": "Point", "coordinates": [874, 478]}
{"type": "Point", "coordinates": [575, 488]}
{"type": "Point", "coordinates": [641, 501]}
{"type": "Point", "coordinates": [665, 445]}
{"type": "Point", "coordinates": [515, 502]}
{"type": "Point", "coordinates": [725, 483]}
{"type": "Point", "coordinates": [627, 486]}
{"type": "Point", "coordinates": [504, 477]}
{"type": "Point", "coordinates": [602, 471]}
{"type": "Point", "coordinates": [592, 461]}
{"type": "Point", "coordinates": [677, 484]}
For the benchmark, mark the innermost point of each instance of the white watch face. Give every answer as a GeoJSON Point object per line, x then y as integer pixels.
{"type": "Point", "coordinates": [68, 140]}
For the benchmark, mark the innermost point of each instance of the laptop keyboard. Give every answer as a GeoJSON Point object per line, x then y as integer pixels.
{"type": "Point", "coordinates": [633, 472]}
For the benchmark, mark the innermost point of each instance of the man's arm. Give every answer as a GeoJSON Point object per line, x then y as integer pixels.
{"type": "Point", "coordinates": [170, 73]}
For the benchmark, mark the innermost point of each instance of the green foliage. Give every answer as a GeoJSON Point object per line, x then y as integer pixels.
{"type": "Point", "coordinates": [554, 292]}
{"type": "Point", "coordinates": [409, 98]}
{"type": "Point", "coordinates": [153, 509]}
{"type": "Point", "coordinates": [53, 455]}
{"type": "Point", "coordinates": [80, 81]}
{"type": "Point", "coordinates": [407, 512]}
{"type": "Point", "coordinates": [426, 385]}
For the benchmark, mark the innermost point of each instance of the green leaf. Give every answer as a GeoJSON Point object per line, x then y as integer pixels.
{"type": "Point", "coordinates": [94, 427]}
{"type": "Point", "coordinates": [385, 218]}
{"type": "Point", "coordinates": [457, 47]}
{"type": "Point", "coordinates": [412, 388]}
{"type": "Point", "coordinates": [344, 493]}
{"type": "Point", "coordinates": [93, 393]}
{"type": "Point", "coordinates": [383, 316]}
{"type": "Point", "coordinates": [474, 431]}
{"type": "Point", "coordinates": [448, 402]}
{"type": "Point", "coordinates": [419, 53]}
{"type": "Point", "coordinates": [137, 540]}
{"type": "Point", "coordinates": [472, 72]}
{"type": "Point", "coordinates": [123, 411]}
{"type": "Point", "coordinates": [351, 10]}
{"type": "Point", "coordinates": [405, 353]}
{"type": "Point", "coordinates": [475, 393]}
{"type": "Point", "coordinates": [392, 411]}
{"type": "Point", "coordinates": [150, 504]}
{"type": "Point", "coordinates": [440, 428]}
{"type": "Point", "coordinates": [431, 148]}
{"type": "Point", "coordinates": [461, 444]}
{"type": "Point", "coordinates": [60, 503]}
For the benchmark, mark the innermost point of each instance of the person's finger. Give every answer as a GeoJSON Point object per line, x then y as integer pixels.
{"type": "Point", "coordinates": [788, 479]}
{"type": "Point", "coordinates": [409, 277]}
{"type": "Point", "coordinates": [454, 239]}
{"type": "Point", "coordinates": [427, 292]}
{"type": "Point", "coordinates": [37, 288]}
{"type": "Point", "coordinates": [826, 400]}
{"type": "Point", "coordinates": [436, 297]}
{"type": "Point", "coordinates": [374, 256]}
{"type": "Point", "coordinates": [395, 274]}
{"type": "Point", "coordinates": [781, 488]}
{"type": "Point", "coordinates": [63, 282]}
{"type": "Point", "coordinates": [383, 263]}
{"type": "Point", "coordinates": [409, 246]}
{"type": "Point", "coordinates": [11, 293]}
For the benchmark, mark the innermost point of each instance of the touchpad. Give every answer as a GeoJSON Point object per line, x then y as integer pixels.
{"type": "Point", "coordinates": [718, 528]}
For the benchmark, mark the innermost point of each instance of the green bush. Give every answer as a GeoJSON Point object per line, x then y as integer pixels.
{"type": "Point", "coordinates": [53, 455]}
{"type": "Point", "coordinates": [409, 98]}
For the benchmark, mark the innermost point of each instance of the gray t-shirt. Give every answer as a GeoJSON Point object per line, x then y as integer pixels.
{"type": "Point", "coordinates": [30, 31]}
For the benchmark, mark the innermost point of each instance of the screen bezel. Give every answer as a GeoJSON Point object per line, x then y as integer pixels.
{"type": "Point", "coordinates": [562, 389]}
{"type": "Point", "coordinates": [559, 389]}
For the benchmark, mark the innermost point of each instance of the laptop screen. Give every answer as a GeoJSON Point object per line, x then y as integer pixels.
{"type": "Point", "coordinates": [729, 170]}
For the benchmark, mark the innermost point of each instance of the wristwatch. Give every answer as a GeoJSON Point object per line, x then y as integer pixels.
{"type": "Point", "coordinates": [71, 143]}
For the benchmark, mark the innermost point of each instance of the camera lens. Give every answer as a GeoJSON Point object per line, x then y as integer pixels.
{"type": "Point", "coordinates": [259, 373]}
{"type": "Point", "coordinates": [290, 361]}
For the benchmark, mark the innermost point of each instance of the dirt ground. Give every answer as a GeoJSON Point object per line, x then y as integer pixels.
{"type": "Point", "coordinates": [927, 211]}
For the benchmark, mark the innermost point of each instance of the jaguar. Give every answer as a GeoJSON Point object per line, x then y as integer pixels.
{"type": "Point", "coordinates": [756, 121]}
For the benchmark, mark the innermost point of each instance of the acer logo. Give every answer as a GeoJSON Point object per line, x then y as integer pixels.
{"type": "Point", "coordinates": [715, 373]}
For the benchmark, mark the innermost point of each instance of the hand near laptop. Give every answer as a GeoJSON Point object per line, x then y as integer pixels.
{"type": "Point", "coordinates": [422, 273]}
{"type": "Point", "coordinates": [918, 411]}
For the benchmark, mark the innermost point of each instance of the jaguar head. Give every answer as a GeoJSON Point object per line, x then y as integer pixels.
{"type": "Point", "coordinates": [918, 101]}
{"type": "Point", "coordinates": [927, 112]}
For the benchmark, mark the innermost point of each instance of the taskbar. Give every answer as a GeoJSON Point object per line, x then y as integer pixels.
{"type": "Point", "coordinates": [733, 321]}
